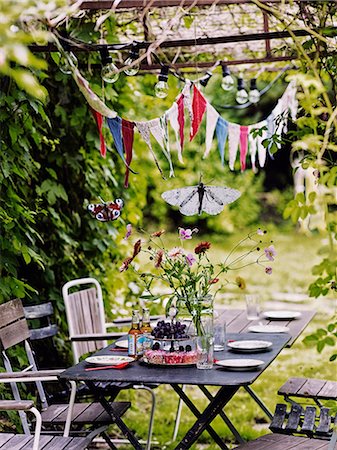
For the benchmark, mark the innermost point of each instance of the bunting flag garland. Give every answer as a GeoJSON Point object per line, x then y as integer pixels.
{"type": "Point", "coordinates": [128, 135]}
{"type": "Point", "coordinates": [233, 142]}
{"type": "Point", "coordinates": [240, 137]}
{"type": "Point", "coordinates": [99, 122]}
{"type": "Point", "coordinates": [212, 116]}
{"type": "Point", "coordinates": [244, 130]}
{"type": "Point", "coordinates": [221, 134]}
{"type": "Point", "coordinates": [198, 107]}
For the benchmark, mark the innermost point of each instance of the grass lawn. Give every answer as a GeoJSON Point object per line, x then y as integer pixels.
{"type": "Point", "coordinates": [296, 254]}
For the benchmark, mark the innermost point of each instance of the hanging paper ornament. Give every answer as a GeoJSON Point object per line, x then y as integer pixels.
{"type": "Point", "coordinates": [198, 107]}
{"type": "Point", "coordinates": [172, 116]}
{"type": "Point", "coordinates": [212, 116]}
{"type": "Point", "coordinates": [106, 211]}
{"type": "Point", "coordinates": [233, 142]}
{"type": "Point", "coordinates": [99, 122]}
{"type": "Point", "coordinates": [193, 200]}
{"type": "Point", "coordinates": [243, 146]}
{"type": "Point", "coordinates": [127, 134]}
{"type": "Point", "coordinates": [158, 128]}
{"type": "Point", "coordinates": [221, 134]}
{"type": "Point", "coordinates": [144, 129]}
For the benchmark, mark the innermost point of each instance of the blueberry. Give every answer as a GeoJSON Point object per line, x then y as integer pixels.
{"type": "Point", "coordinates": [188, 348]}
{"type": "Point", "coordinates": [156, 346]}
{"type": "Point", "coordinates": [181, 348]}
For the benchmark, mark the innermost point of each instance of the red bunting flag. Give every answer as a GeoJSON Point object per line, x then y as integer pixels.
{"type": "Point", "coordinates": [99, 122]}
{"type": "Point", "coordinates": [181, 119]}
{"type": "Point", "coordinates": [243, 146]}
{"type": "Point", "coordinates": [127, 133]}
{"type": "Point", "coordinates": [198, 108]}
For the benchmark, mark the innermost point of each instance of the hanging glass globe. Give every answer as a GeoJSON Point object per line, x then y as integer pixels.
{"type": "Point", "coordinates": [227, 83]}
{"type": "Point", "coordinates": [161, 89]}
{"type": "Point", "coordinates": [65, 65]}
{"type": "Point", "coordinates": [254, 94]}
{"type": "Point", "coordinates": [131, 71]}
{"type": "Point", "coordinates": [241, 97]}
{"type": "Point", "coordinates": [109, 73]}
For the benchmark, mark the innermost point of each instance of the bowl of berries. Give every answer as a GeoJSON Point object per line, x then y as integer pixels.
{"type": "Point", "coordinates": [171, 345]}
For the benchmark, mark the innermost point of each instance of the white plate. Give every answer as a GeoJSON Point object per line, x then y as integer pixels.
{"type": "Point", "coordinates": [240, 364]}
{"type": "Point", "coordinates": [108, 360]}
{"type": "Point", "coordinates": [122, 344]}
{"type": "Point", "coordinates": [281, 315]}
{"type": "Point", "coordinates": [268, 329]}
{"type": "Point", "coordinates": [249, 345]}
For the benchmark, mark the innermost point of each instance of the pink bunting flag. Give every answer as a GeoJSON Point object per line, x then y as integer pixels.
{"type": "Point", "coordinates": [181, 120]}
{"type": "Point", "coordinates": [128, 134]}
{"type": "Point", "coordinates": [243, 146]}
{"type": "Point", "coordinates": [99, 122]}
{"type": "Point", "coordinates": [198, 107]}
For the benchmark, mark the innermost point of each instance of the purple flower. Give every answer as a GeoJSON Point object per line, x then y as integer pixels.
{"type": "Point", "coordinates": [175, 252]}
{"type": "Point", "coordinates": [268, 270]}
{"type": "Point", "coordinates": [185, 234]}
{"type": "Point", "coordinates": [260, 232]}
{"type": "Point", "coordinates": [270, 252]}
{"type": "Point", "coordinates": [128, 231]}
{"type": "Point", "coordinates": [190, 259]}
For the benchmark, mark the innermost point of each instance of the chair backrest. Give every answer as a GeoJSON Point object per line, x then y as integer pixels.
{"type": "Point", "coordinates": [13, 331]}
{"type": "Point", "coordinates": [85, 314]}
{"type": "Point", "coordinates": [39, 318]}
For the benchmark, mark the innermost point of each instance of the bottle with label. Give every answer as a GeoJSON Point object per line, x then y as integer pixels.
{"type": "Point", "coordinates": [134, 336]}
{"type": "Point", "coordinates": [146, 329]}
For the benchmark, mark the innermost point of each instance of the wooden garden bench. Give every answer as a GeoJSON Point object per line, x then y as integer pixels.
{"type": "Point", "coordinates": [318, 430]}
{"type": "Point", "coordinates": [306, 388]}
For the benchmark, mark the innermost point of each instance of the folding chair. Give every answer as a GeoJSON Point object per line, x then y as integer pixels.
{"type": "Point", "coordinates": [88, 329]}
{"type": "Point", "coordinates": [14, 332]}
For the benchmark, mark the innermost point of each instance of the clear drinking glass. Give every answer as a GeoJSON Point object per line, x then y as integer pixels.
{"type": "Point", "coordinates": [252, 306]}
{"type": "Point", "coordinates": [219, 334]}
{"type": "Point", "coordinates": [204, 347]}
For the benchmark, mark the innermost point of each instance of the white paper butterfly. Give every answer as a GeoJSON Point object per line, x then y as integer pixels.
{"type": "Point", "coordinates": [201, 198]}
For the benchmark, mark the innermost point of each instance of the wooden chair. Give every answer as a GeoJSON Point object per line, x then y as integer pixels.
{"type": "Point", "coordinates": [14, 331]}
{"type": "Point", "coordinates": [88, 328]}
{"type": "Point", "coordinates": [11, 441]}
{"type": "Point", "coordinates": [308, 388]}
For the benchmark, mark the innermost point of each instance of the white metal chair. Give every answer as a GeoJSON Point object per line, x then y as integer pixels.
{"type": "Point", "coordinates": [88, 328]}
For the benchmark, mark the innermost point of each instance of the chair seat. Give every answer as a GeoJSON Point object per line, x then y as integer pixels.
{"type": "Point", "coordinates": [83, 413]}
{"type": "Point", "coordinates": [283, 442]}
{"type": "Point", "coordinates": [309, 388]}
{"type": "Point", "coordinates": [10, 441]}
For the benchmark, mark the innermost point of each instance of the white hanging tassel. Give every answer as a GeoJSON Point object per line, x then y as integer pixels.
{"type": "Point", "coordinates": [212, 116]}
{"type": "Point", "coordinates": [233, 142]}
{"type": "Point", "coordinates": [172, 115]}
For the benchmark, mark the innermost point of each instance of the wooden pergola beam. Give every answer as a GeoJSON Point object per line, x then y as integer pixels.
{"type": "Point", "coordinates": [78, 47]}
{"type": "Point", "coordinates": [131, 4]}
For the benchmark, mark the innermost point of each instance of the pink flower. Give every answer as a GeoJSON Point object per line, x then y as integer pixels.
{"type": "Point", "coordinates": [125, 264]}
{"type": "Point", "coordinates": [158, 258]}
{"type": "Point", "coordinates": [128, 231]}
{"type": "Point", "coordinates": [185, 234]}
{"type": "Point", "coordinates": [175, 252]}
{"type": "Point", "coordinates": [213, 281]}
{"type": "Point", "coordinates": [190, 259]}
{"type": "Point", "coordinates": [268, 270]}
{"type": "Point", "coordinates": [270, 252]}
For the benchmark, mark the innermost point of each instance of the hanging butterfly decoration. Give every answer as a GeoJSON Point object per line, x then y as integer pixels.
{"type": "Point", "coordinates": [106, 211]}
{"type": "Point", "coordinates": [193, 200]}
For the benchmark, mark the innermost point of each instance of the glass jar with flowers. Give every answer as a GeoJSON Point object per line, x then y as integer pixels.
{"type": "Point", "coordinates": [190, 277]}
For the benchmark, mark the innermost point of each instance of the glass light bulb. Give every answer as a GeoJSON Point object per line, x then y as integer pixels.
{"type": "Point", "coordinates": [131, 71]}
{"type": "Point", "coordinates": [65, 66]}
{"type": "Point", "coordinates": [241, 96]}
{"type": "Point", "coordinates": [109, 73]}
{"type": "Point", "coordinates": [227, 83]}
{"type": "Point", "coordinates": [254, 96]}
{"type": "Point", "coordinates": [161, 89]}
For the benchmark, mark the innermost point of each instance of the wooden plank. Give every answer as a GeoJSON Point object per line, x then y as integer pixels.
{"type": "Point", "coordinates": [43, 333]}
{"type": "Point", "coordinates": [50, 414]}
{"type": "Point", "coordinates": [13, 334]}
{"type": "Point", "coordinates": [311, 387]}
{"type": "Point", "coordinates": [328, 391]}
{"type": "Point", "coordinates": [237, 323]}
{"type": "Point", "coordinates": [11, 405]}
{"type": "Point", "coordinates": [282, 442]}
{"type": "Point", "coordinates": [279, 417]}
{"type": "Point", "coordinates": [19, 442]}
{"type": "Point", "coordinates": [58, 443]}
{"type": "Point", "coordinates": [291, 386]}
{"type": "Point", "coordinates": [323, 428]}
{"type": "Point", "coordinates": [308, 444]}
{"type": "Point", "coordinates": [10, 312]}
{"type": "Point", "coordinates": [38, 311]}
{"type": "Point", "coordinates": [294, 418]}
{"type": "Point", "coordinates": [78, 409]}
{"type": "Point", "coordinates": [309, 420]}
{"type": "Point", "coordinates": [119, 407]}
{"type": "Point", "coordinates": [4, 437]}
{"type": "Point", "coordinates": [76, 443]}
{"type": "Point", "coordinates": [44, 441]}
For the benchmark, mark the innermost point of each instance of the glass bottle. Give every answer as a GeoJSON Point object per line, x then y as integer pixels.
{"type": "Point", "coordinates": [134, 335]}
{"type": "Point", "coordinates": [146, 329]}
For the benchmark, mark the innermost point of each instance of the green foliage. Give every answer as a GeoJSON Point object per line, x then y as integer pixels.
{"type": "Point", "coordinates": [323, 337]}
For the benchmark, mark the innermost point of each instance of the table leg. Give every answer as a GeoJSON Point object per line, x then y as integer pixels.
{"type": "Point", "coordinates": [224, 417]}
{"type": "Point", "coordinates": [115, 417]}
{"type": "Point", "coordinates": [215, 406]}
